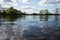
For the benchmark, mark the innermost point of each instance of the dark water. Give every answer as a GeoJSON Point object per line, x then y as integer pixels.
{"type": "Point", "coordinates": [29, 27]}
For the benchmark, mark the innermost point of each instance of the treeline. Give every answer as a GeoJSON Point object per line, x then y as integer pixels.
{"type": "Point", "coordinates": [11, 11]}
{"type": "Point", "coordinates": [45, 12]}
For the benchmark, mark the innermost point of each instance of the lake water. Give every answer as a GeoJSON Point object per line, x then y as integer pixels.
{"type": "Point", "coordinates": [29, 27]}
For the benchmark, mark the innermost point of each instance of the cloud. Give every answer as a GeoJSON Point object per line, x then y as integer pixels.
{"type": "Point", "coordinates": [48, 2]}
{"type": "Point", "coordinates": [1, 1]}
{"type": "Point", "coordinates": [13, 2]}
{"type": "Point", "coordinates": [8, 3]}
{"type": "Point", "coordinates": [6, 6]}
{"type": "Point", "coordinates": [7, 0]}
{"type": "Point", "coordinates": [25, 1]}
{"type": "Point", "coordinates": [53, 1]}
{"type": "Point", "coordinates": [58, 5]}
{"type": "Point", "coordinates": [16, 4]}
{"type": "Point", "coordinates": [29, 9]}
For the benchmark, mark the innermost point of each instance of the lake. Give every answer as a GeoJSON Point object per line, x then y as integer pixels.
{"type": "Point", "coordinates": [30, 27]}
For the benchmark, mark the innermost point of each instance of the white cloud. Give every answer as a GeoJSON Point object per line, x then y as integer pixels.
{"type": "Point", "coordinates": [6, 6]}
{"type": "Point", "coordinates": [14, 1]}
{"type": "Point", "coordinates": [29, 9]}
{"type": "Point", "coordinates": [15, 4]}
{"type": "Point", "coordinates": [26, 1]}
{"type": "Point", "coordinates": [8, 3]}
{"type": "Point", "coordinates": [43, 3]}
{"type": "Point", "coordinates": [1, 1]}
{"type": "Point", "coordinates": [48, 2]}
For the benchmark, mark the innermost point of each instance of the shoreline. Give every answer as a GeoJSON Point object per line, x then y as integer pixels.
{"type": "Point", "coordinates": [29, 14]}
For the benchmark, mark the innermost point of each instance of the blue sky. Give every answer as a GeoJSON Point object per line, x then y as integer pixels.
{"type": "Point", "coordinates": [31, 6]}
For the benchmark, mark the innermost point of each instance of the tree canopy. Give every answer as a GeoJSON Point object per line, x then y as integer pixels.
{"type": "Point", "coordinates": [44, 11]}
{"type": "Point", "coordinates": [12, 11]}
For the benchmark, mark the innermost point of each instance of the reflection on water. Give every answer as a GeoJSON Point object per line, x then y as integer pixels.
{"type": "Point", "coordinates": [29, 27]}
{"type": "Point", "coordinates": [43, 18]}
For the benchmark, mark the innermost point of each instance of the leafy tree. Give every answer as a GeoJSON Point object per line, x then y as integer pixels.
{"type": "Point", "coordinates": [19, 12]}
{"type": "Point", "coordinates": [41, 12]}
{"type": "Point", "coordinates": [4, 12]}
{"type": "Point", "coordinates": [46, 11]}
{"type": "Point", "coordinates": [11, 10]}
{"type": "Point", "coordinates": [57, 11]}
{"type": "Point", "coordinates": [0, 11]}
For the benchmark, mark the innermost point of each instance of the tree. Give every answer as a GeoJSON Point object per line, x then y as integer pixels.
{"type": "Point", "coordinates": [41, 12]}
{"type": "Point", "coordinates": [0, 11]}
{"type": "Point", "coordinates": [4, 12]}
{"type": "Point", "coordinates": [11, 10]}
{"type": "Point", "coordinates": [57, 11]}
{"type": "Point", "coordinates": [46, 11]}
{"type": "Point", "coordinates": [19, 12]}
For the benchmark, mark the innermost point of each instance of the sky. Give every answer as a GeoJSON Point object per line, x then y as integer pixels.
{"type": "Point", "coordinates": [31, 6]}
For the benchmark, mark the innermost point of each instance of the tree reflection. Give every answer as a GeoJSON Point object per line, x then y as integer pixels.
{"type": "Point", "coordinates": [11, 17]}
{"type": "Point", "coordinates": [8, 22]}
{"type": "Point", "coordinates": [43, 17]}
{"type": "Point", "coordinates": [0, 22]}
{"type": "Point", "coordinates": [11, 32]}
{"type": "Point", "coordinates": [56, 18]}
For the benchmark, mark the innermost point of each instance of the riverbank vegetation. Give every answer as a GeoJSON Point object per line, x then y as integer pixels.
{"type": "Point", "coordinates": [12, 11]}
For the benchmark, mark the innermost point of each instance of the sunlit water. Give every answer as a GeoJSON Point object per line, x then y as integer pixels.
{"type": "Point", "coordinates": [29, 27]}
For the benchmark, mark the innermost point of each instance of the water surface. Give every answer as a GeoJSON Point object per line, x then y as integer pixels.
{"type": "Point", "coordinates": [29, 27]}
